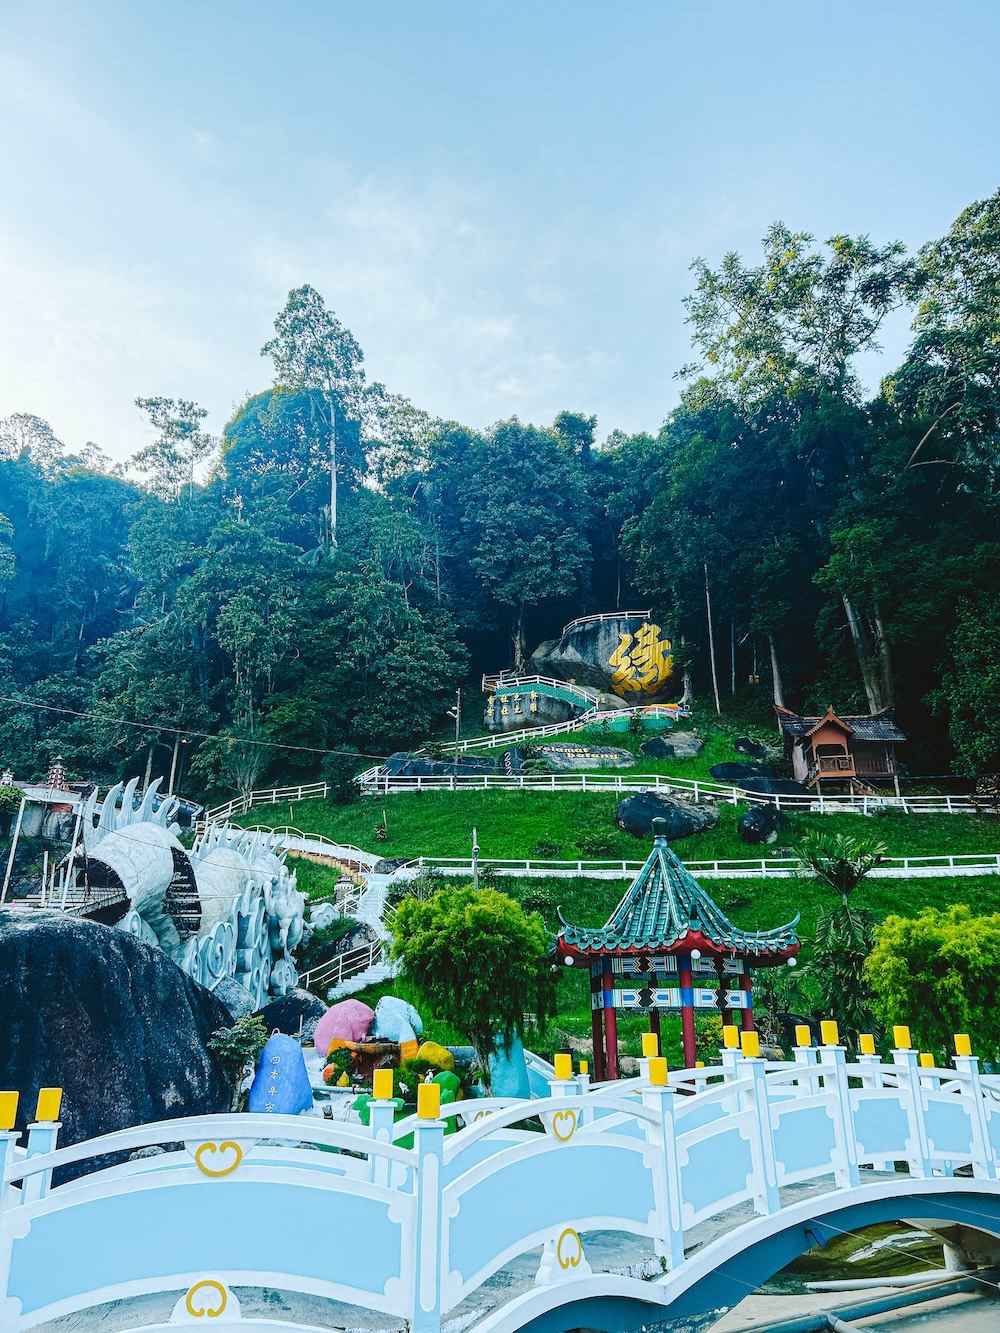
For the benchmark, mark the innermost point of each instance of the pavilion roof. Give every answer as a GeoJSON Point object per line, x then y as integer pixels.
{"type": "Point", "coordinates": [666, 910]}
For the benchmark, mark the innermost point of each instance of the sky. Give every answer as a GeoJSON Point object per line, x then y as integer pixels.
{"type": "Point", "coordinates": [501, 200]}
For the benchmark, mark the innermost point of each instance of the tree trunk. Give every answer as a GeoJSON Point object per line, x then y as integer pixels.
{"type": "Point", "coordinates": [149, 766]}
{"type": "Point", "coordinates": [173, 763]}
{"type": "Point", "coordinates": [778, 691]}
{"type": "Point", "coordinates": [711, 645]}
{"type": "Point", "coordinates": [873, 658]}
{"type": "Point", "coordinates": [519, 644]}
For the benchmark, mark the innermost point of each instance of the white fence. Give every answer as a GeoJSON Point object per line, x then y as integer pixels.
{"type": "Point", "coordinates": [892, 867]}
{"type": "Point", "coordinates": [376, 782]}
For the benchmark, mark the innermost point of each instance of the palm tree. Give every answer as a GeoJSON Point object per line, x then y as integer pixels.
{"type": "Point", "coordinates": [844, 933]}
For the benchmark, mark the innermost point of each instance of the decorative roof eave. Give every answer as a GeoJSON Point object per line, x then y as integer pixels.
{"type": "Point", "coordinates": [747, 947]}
{"type": "Point", "coordinates": [828, 717]}
{"type": "Point", "coordinates": [666, 911]}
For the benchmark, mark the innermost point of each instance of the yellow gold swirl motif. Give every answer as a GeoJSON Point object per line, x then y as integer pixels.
{"type": "Point", "coordinates": [205, 1309]}
{"type": "Point", "coordinates": [564, 1117]}
{"type": "Point", "coordinates": [574, 1249]}
{"type": "Point", "coordinates": [211, 1148]}
{"type": "Point", "coordinates": [642, 662]}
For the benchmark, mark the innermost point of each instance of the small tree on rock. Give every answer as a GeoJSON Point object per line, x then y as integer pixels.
{"type": "Point", "coordinates": [479, 960]}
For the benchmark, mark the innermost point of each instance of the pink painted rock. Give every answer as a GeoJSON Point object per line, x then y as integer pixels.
{"type": "Point", "coordinates": [350, 1020]}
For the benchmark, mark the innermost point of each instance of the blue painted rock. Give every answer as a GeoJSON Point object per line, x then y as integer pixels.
{"type": "Point", "coordinates": [281, 1084]}
{"type": "Point", "coordinates": [395, 1020]}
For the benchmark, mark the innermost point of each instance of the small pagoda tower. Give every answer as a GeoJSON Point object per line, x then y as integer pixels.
{"type": "Point", "coordinates": [665, 934]}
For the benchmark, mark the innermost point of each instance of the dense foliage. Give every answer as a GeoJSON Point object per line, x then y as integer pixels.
{"type": "Point", "coordinates": [325, 576]}
{"type": "Point", "coordinates": [936, 974]}
{"type": "Point", "coordinates": [479, 960]}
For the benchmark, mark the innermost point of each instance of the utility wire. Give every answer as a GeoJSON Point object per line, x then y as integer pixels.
{"type": "Point", "coordinates": [182, 731]}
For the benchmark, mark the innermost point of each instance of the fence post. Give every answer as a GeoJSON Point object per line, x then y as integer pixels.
{"type": "Point", "coordinates": [908, 1078]}
{"type": "Point", "coordinates": [765, 1189]}
{"type": "Point", "coordinates": [667, 1182]}
{"type": "Point", "coordinates": [425, 1316]}
{"type": "Point", "coordinates": [984, 1163]}
{"type": "Point", "coordinates": [42, 1138]}
{"type": "Point", "coordinates": [696, 791]}
{"type": "Point", "coordinates": [834, 1060]}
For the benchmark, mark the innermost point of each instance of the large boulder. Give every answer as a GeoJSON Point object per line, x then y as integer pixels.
{"type": "Point", "coordinates": [350, 1020]}
{"type": "Point", "coordinates": [403, 765]}
{"type": "Point", "coordinates": [761, 825]}
{"type": "Point", "coordinates": [109, 1019]}
{"type": "Point", "coordinates": [678, 745]}
{"type": "Point", "coordinates": [752, 749]}
{"type": "Point", "coordinates": [280, 1085]}
{"type": "Point", "coordinates": [295, 1014]}
{"type": "Point", "coordinates": [736, 772]}
{"type": "Point", "coordinates": [619, 654]}
{"type": "Point", "coordinates": [572, 757]}
{"type": "Point", "coordinates": [773, 786]}
{"type": "Point", "coordinates": [513, 710]}
{"type": "Point", "coordinates": [636, 813]}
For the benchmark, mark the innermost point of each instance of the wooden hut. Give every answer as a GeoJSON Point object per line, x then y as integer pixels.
{"type": "Point", "coordinates": [849, 752]}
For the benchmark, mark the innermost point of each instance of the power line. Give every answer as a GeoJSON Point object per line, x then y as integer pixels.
{"type": "Point", "coordinates": [181, 731]}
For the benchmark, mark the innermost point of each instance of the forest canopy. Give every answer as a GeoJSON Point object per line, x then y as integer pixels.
{"type": "Point", "coordinates": [325, 575]}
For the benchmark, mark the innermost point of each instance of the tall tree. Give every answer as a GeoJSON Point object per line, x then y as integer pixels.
{"type": "Point", "coordinates": [314, 355]}
{"type": "Point", "coordinates": [179, 447]}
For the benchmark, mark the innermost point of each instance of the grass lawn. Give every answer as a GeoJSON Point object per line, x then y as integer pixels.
{"type": "Point", "coordinates": [514, 823]}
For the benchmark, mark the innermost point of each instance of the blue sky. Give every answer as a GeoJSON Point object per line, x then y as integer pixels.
{"type": "Point", "coordinates": [500, 200]}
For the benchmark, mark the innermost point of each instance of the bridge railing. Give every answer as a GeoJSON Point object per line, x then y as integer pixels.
{"type": "Point", "coordinates": [412, 1231]}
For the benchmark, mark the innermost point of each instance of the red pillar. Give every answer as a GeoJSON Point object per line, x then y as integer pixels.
{"type": "Point", "coordinates": [610, 1023]}
{"type": "Point", "coordinates": [611, 1041]}
{"type": "Point", "coordinates": [687, 1010]}
{"type": "Point", "coordinates": [597, 1029]}
{"type": "Point", "coordinates": [746, 985]}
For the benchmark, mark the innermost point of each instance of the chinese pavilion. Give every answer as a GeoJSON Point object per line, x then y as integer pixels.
{"type": "Point", "coordinates": [665, 933]}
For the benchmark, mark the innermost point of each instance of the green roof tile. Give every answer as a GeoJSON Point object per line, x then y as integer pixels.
{"type": "Point", "coordinates": [663, 905]}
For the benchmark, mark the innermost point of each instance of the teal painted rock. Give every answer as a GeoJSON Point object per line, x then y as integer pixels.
{"type": "Point", "coordinates": [509, 1073]}
{"type": "Point", "coordinates": [281, 1084]}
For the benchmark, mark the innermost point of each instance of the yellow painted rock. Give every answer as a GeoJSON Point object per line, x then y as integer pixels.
{"type": "Point", "coordinates": [343, 1081]}
{"type": "Point", "coordinates": [436, 1055]}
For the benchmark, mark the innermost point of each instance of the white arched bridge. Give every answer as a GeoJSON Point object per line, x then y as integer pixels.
{"type": "Point", "coordinates": [716, 1179]}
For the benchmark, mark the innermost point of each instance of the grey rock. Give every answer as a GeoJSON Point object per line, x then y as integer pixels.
{"type": "Point", "coordinates": [568, 757]}
{"type": "Point", "coordinates": [686, 745]}
{"type": "Point", "coordinates": [235, 997]}
{"type": "Point", "coordinates": [774, 786]}
{"type": "Point", "coordinates": [298, 1009]}
{"type": "Point", "coordinates": [753, 749]}
{"type": "Point", "coordinates": [402, 765]}
{"type": "Point", "coordinates": [584, 656]}
{"type": "Point", "coordinates": [512, 711]}
{"type": "Point", "coordinates": [657, 748]}
{"type": "Point", "coordinates": [108, 1018]}
{"type": "Point", "coordinates": [636, 813]}
{"type": "Point", "coordinates": [761, 825]}
{"type": "Point", "coordinates": [736, 772]}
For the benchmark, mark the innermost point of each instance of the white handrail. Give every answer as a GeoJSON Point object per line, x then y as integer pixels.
{"type": "Point", "coordinates": [585, 692]}
{"type": "Point", "coordinates": [606, 615]}
{"type": "Point", "coordinates": [342, 966]}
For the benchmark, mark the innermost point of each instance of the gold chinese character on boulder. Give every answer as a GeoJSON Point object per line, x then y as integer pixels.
{"type": "Point", "coordinates": [641, 662]}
